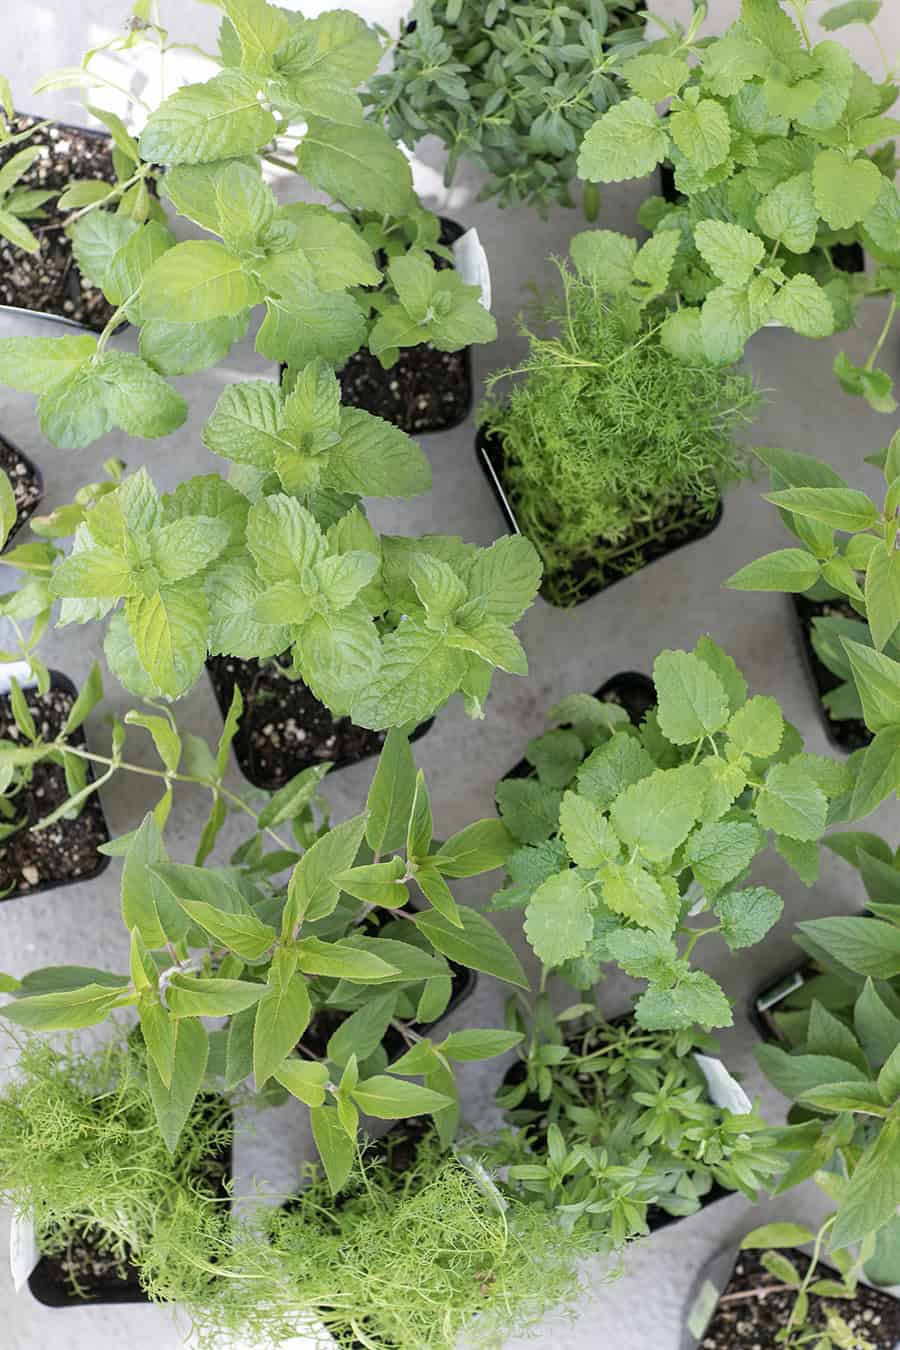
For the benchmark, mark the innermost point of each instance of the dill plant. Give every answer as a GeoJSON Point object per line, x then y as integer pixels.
{"type": "Point", "coordinates": [614, 450]}
{"type": "Point", "coordinates": [81, 1155]}
{"type": "Point", "coordinates": [408, 1259]}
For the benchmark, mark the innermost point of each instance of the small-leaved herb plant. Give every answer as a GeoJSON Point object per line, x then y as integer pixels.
{"type": "Point", "coordinates": [81, 1157]}
{"type": "Point", "coordinates": [626, 835]}
{"type": "Point", "coordinates": [840, 1063]}
{"type": "Point", "coordinates": [511, 86]}
{"type": "Point", "coordinates": [611, 446]}
{"type": "Point", "coordinates": [615, 1122]}
{"type": "Point", "coordinates": [781, 149]}
{"type": "Point", "coordinates": [18, 204]}
{"type": "Point", "coordinates": [279, 960]}
{"type": "Point", "coordinates": [281, 559]}
{"type": "Point", "coordinates": [309, 266]}
{"type": "Point", "coordinates": [847, 549]}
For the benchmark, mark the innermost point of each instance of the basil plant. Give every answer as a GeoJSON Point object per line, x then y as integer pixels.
{"type": "Point", "coordinates": [285, 94]}
{"type": "Point", "coordinates": [365, 938]}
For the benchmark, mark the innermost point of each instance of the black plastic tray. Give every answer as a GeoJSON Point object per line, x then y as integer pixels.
{"type": "Point", "coordinates": [489, 453]}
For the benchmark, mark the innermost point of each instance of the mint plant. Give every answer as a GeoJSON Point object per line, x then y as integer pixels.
{"type": "Point", "coordinates": [512, 87]}
{"type": "Point", "coordinates": [781, 150]}
{"type": "Point", "coordinates": [847, 549]}
{"type": "Point", "coordinates": [627, 834]}
{"type": "Point", "coordinates": [214, 942]}
{"type": "Point", "coordinates": [614, 1122]}
{"type": "Point", "coordinates": [308, 265]}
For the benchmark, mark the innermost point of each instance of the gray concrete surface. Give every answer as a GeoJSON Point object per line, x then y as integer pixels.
{"type": "Point", "coordinates": [668, 605]}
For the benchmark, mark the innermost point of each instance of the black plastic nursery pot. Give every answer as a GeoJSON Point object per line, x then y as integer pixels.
{"type": "Point", "coordinates": [568, 588]}
{"type": "Point", "coordinates": [849, 733]}
{"type": "Point", "coordinates": [27, 484]}
{"type": "Point", "coordinates": [727, 1309]}
{"type": "Point", "coordinates": [426, 389]}
{"type": "Point", "coordinates": [49, 282]}
{"type": "Point", "coordinates": [86, 1274]}
{"type": "Point", "coordinates": [284, 727]}
{"type": "Point", "coordinates": [632, 691]}
{"type": "Point", "coordinates": [770, 1000]}
{"type": "Point", "coordinates": [66, 852]}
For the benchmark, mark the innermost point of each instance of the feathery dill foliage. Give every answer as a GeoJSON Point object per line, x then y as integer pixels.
{"type": "Point", "coordinates": [81, 1153]}
{"type": "Point", "coordinates": [612, 446]}
{"type": "Point", "coordinates": [411, 1259]}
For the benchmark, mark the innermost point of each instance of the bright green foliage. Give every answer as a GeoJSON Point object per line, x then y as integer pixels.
{"type": "Point", "coordinates": [309, 266]}
{"type": "Point", "coordinates": [80, 1154]}
{"type": "Point", "coordinates": [18, 203]}
{"type": "Point", "coordinates": [658, 824]}
{"type": "Point", "coordinates": [436, 1233]}
{"type": "Point", "coordinates": [237, 942]}
{"type": "Point", "coordinates": [846, 555]}
{"type": "Point", "coordinates": [612, 1119]}
{"type": "Point", "coordinates": [384, 628]}
{"type": "Point", "coordinates": [512, 88]}
{"type": "Point", "coordinates": [839, 1057]}
{"type": "Point", "coordinates": [610, 443]}
{"type": "Point", "coordinates": [781, 150]}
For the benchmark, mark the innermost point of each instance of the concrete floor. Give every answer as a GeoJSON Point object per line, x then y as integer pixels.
{"type": "Point", "coordinates": [668, 605]}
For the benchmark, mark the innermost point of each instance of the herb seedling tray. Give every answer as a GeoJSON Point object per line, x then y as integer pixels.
{"type": "Point", "coordinates": [285, 728]}
{"type": "Point", "coordinates": [753, 1323]}
{"type": "Point", "coordinates": [847, 734]}
{"type": "Point", "coordinates": [49, 1284]}
{"type": "Point", "coordinates": [27, 484]}
{"type": "Point", "coordinates": [425, 390]}
{"type": "Point", "coordinates": [634, 692]}
{"type": "Point", "coordinates": [49, 282]}
{"type": "Point", "coordinates": [66, 852]}
{"type": "Point", "coordinates": [677, 533]}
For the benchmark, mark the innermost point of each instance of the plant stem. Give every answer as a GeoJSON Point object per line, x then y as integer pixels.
{"type": "Point", "coordinates": [883, 336]}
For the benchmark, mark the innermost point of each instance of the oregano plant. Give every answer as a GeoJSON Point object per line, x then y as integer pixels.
{"type": "Point", "coordinates": [367, 928]}
{"type": "Point", "coordinates": [628, 834]}
{"type": "Point", "coordinates": [285, 93]}
{"type": "Point", "coordinates": [782, 150]}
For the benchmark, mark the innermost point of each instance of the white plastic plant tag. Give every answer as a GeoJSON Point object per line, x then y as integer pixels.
{"type": "Point", "coordinates": [472, 264]}
{"type": "Point", "coordinates": [24, 1252]}
{"type": "Point", "coordinates": [724, 1090]}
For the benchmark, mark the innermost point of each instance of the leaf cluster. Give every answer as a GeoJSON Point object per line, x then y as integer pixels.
{"type": "Point", "coordinates": [614, 1122]}
{"type": "Point", "coordinates": [781, 150]}
{"type": "Point", "coordinates": [18, 203]}
{"type": "Point", "coordinates": [512, 87]}
{"type": "Point", "coordinates": [626, 834]}
{"type": "Point", "coordinates": [281, 960]}
{"type": "Point", "coordinates": [610, 443]}
{"type": "Point", "coordinates": [847, 549]}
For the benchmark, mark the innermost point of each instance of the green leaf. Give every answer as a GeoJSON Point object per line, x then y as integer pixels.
{"type": "Point", "coordinates": [878, 774]}
{"type": "Point", "coordinates": [466, 1046]}
{"type": "Point", "coordinates": [477, 944]}
{"type": "Point", "coordinates": [480, 847]}
{"type": "Point", "coordinates": [39, 365]}
{"type": "Point", "coordinates": [358, 165]}
{"type": "Point", "coordinates": [883, 594]}
{"type": "Point", "coordinates": [776, 1235]}
{"type": "Point", "coordinates": [389, 1098]}
{"type": "Point", "coordinates": [696, 999]}
{"type": "Point", "coordinates": [606, 257]}
{"type": "Point", "coordinates": [220, 119]}
{"type": "Point", "coordinates": [260, 29]}
{"type": "Point", "coordinates": [877, 1027]}
{"type": "Point", "coordinates": [757, 728]}
{"type": "Point", "coordinates": [630, 890]}
{"type": "Point", "coordinates": [282, 1016]}
{"type": "Point", "coordinates": [160, 1033]}
{"type": "Point", "coordinates": [655, 77]}
{"type": "Point", "coordinates": [69, 1009]}
{"type": "Point", "coordinates": [185, 348]}
{"type": "Point", "coordinates": [657, 814]}
{"type": "Point", "coordinates": [418, 673]}
{"type": "Point", "coordinates": [169, 630]}
{"type": "Point", "coordinates": [313, 892]}
{"type": "Point", "coordinates": [193, 996]}
{"type": "Point", "coordinates": [505, 578]}
{"type": "Point", "coordinates": [877, 679]}
{"type": "Point", "coordinates": [721, 851]}
{"type": "Point", "coordinates": [746, 916]}
{"type": "Point", "coordinates": [557, 756]}
{"type": "Point", "coordinates": [336, 1149]}
{"type": "Point", "coordinates": [559, 921]}
{"type": "Point", "coordinates": [845, 190]}
{"type": "Point", "coordinates": [789, 213]}
{"type": "Point", "coordinates": [174, 1104]}
{"type": "Point", "coordinates": [589, 837]}
{"type": "Point", "coordinates": [691, 698]}
{"type": "Point", "coordinates": [244, 934]}
{"type": "Point", "coordinates": [732, 314]}
{"type": "Point", "coordinates": [361, 1033]}
{"type": "Point", "coordinates": [390, 798]}
{"type": "Point", "coordinates": [530, 810]}
{"type": "Point", "coordinates": [889, 1077]}
{"type": "Point", "coordinates": [196, 281]}
{"type": "Point", "coordinates": [96, 240]}
{"type": "Point", "coordinates": [804, 306]}
{"type": "Point", "coordinates": [702, 134]}
{"type": "Point", "coordinates": [611, 768]}
{"type": "Point", "coordinates": [853, 11]}
{"type": "Point", "coordinates": [628, 141]}
{"type": "Point", "coordinates": [732, 252]}
{"type": "Point", "coordinates": [292, 800]}
{"type": "Point", "coordinates": [796, 1074]}
{"type": "Point", "coordinates": [304, 1080]}
{"type": "Point", "coordinates": [874, 1192]}
{"type": "Point", "coordinates": [311, 323]}
{"type": "Point", "coordinates": [866, 946]}
{"type": "Point", "coordinates": [375, 459]}
{"type": "Point", "coordinates": [791, 803]}
{"type": "Point", "coordinates": [376, 883]}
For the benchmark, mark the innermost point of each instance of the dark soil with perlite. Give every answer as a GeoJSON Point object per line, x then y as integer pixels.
{"type": "Point", "coordinates": [27, 484]}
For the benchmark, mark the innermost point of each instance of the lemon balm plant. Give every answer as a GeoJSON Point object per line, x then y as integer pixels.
{"type": "Point", "coordinates": [782, 149]}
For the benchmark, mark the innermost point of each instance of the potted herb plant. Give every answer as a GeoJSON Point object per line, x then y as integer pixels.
{"type": "Point", "coordinates": [311, 268]}
{"type": "Point", "coordinates": [842, 576]}
{"type": "Point", "coordinates": [610, 451]}
{"type": "Point", "coordinates": [87, 1172]}
{"type": "Point", "coordinates": [422, 1247]}
{"type": "Point", "coordinates": [781, 150]}
{"type": "Point", "coordinates": [233, 942]}
{"type": "Point", "coordinates": [759, 1295]}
